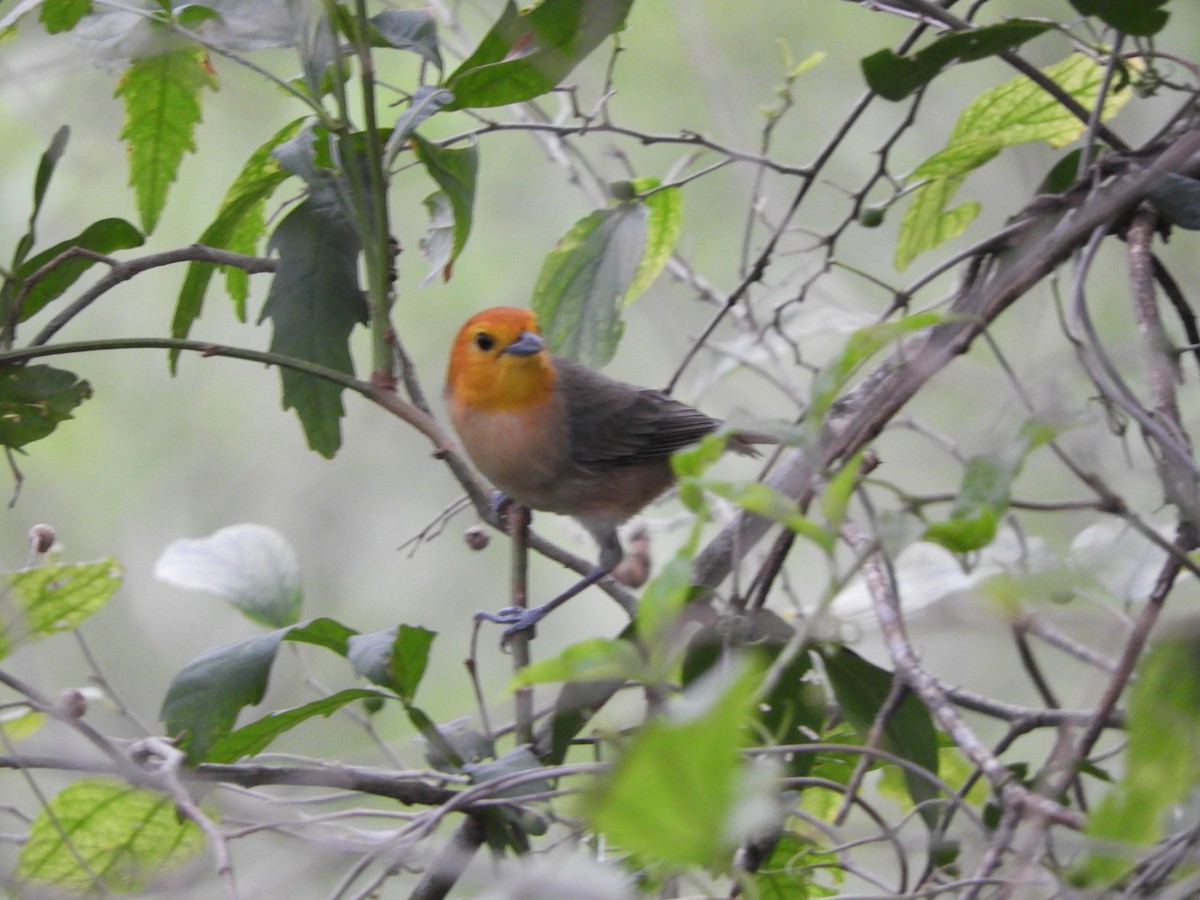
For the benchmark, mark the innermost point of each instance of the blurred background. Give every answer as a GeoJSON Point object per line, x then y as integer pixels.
{"type": "Point", "coordinates": [153, 458]}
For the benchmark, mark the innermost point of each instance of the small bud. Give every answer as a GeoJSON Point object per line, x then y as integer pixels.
{"type": "Point", "coordinates": [871, 217]}
{"type": "Point", "coordinates": [42, 538]}
{"type": "Point", "coordinates": [71, 704]}
{"type": "Point", "coordinates": [372, 705]}
{"type": "Point", "coordinates": [477, 537]}
{"type": "Point", "coordinates": [634, 569]}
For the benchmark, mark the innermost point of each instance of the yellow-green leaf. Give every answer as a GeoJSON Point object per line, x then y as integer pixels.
{"type": "Point", "coordinates": [162, 109]}
{"type": "Point", "coordinates": [126, 837]}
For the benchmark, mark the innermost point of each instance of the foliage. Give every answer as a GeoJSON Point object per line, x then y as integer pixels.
{"type": "Point", "coordinates": [773, 750]}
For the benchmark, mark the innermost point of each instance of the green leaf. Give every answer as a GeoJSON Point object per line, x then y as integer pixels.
{"type": "Point", "coordinates": [238, 226]}
{"type": "Point", "coordinates": [983, 497]}
{"type": "Point", "coordinates": [583, 280]}
{"type": "Point", "coordinates": [664, 223]}
{"type": "Point", "coordinates": [56, 597]}
{"type": "Point", "coordinates": [795, 868]}
{"type": "Point", "coordinates": [204, 699]}
{"type": "Point", "coordinates": [251, 566]}
{"type": "Point", "coordinates": [426, 101]}
{"type": "Point", "coordinates": [414, 30]}
{"type": "Point", "coordinates": [839, 490]}
{"type": "Point", "coordinates": [395, 658]}
{"type": "Point", "coordinates": [162, 110]}
{"type": "Point", "coordinates": [861, 689]}
{"type": "Point", "coordinates": [861, 346]}
{"type": "Point", "coordinates": [595, 659]}
{"type": "Point", "coordinates": [763, 500]}
{"type": "Point", "coordinates": [252, 739]}
{"type": "Point", "coordinates": [63, 15]}
{"type": "Point", "coordinates": [126, 836]}
{"type": "Point", "coordinates": [526, 54]}
{"type": "Point", "coordinates": [673, 789]}
{"type": "Point", "coordinates": [455, 171]}
{"type": "Point", "coordinates": [1142, 18]}
{"type": "Point", "coordinates": [313, 304]}
{"type": "Point", "coordinates": [1016, 112]}
{"type": "Point", "coordinates": [323, 632]}
{"type": "Point", "coordinates": [102, 237]}
{"type": "Point", "coordinates": [34, 399]}
{"type": "Point", "coordinates": [895, 77]}
{"type": "Point", "coordinates": [1162, 766]}
{"type": "Point", "coordinates": [45, 171]}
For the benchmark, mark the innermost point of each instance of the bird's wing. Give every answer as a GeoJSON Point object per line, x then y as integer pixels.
{"type": "Point", "coordinates": [617, 424]}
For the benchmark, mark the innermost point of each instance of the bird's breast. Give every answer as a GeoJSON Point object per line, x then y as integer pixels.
{"type": "Point", "coordinates": [524, 453]}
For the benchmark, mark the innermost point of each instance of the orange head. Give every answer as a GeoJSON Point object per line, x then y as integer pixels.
{"type": "Point", "coordinates": [499, 362]}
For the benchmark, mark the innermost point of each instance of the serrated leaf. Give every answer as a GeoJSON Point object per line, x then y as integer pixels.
{"type": "Point", "coordinates": [577, 297]}
{"type": "Point", "coordinates": [526, 54]}
{"type": "Point", "coordinates": [126, 836]}
{"type": "Point", "coordinates": [251, 566]}
{"type": "Point", "coordinates": [34, 399]}
{"type": "Point", "coordinates": [313, 304]}
{"type": "Point", "coordinates": [204, 699]}
{"type": "Point", "coordinates": [414, 30]}
{"type": "Point", "coordinates": [252, 739]}
{"type": "Point", "coordinates": [1162, 765]}
{"type": "Point", "coordinates": [104, 236]}
{"type": "Point", "coordinates": [664, 222]}
{"type": "Point", "coordinates": [238, 226]}
{"type": "Point", "coordinates": [455, 171]}
{"type": "Point", "coordinates": [862, 688]}
{"type": "Point", "coordinates": [671, 792]}
{"type": "Point", "coordinates": [162, 110]}
{"type": "Point", "coordinates": [895, 77]}
{"type": "Point", "coordinates": [795, 868]}
{"type": "Point", "coordinates": [57, 597]}
{"type": "Point", "coordinates": [1142, 18]}
{"type": "Point", "coordinates": [1016, 112]}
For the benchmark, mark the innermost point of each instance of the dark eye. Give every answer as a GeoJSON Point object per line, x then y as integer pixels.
{"type": "Point", "coordinates": [484, 341]}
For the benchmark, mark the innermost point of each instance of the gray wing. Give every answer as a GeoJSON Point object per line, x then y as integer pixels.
{"type": "Point", "coordinates": [617, 424]}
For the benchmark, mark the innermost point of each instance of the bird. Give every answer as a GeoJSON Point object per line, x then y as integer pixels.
{"type": "Point", "coordinates": [554, 435]}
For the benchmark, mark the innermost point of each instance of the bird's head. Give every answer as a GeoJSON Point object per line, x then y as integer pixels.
{"type": "Point", "coordinates": [500, 362]}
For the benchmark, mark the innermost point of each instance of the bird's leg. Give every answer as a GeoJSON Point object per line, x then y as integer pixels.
{"type": "Point", "coordinates": [518, 619]}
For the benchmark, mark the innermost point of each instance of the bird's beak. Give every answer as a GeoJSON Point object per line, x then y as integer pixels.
{"type": "Point", "coordinates": [527, 343]}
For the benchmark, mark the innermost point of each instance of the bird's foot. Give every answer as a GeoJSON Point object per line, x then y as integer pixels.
{"type": "Point", "coordinates": [518, 619]}
{"type": "Point", "coordinates": [501, 503]}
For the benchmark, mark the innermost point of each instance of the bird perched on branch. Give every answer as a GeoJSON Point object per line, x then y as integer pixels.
{"type": "Point", "coordinates": [554, 435]}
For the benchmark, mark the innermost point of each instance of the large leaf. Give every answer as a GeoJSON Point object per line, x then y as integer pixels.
{"type": "Point", "coordinates": [894, 77]}
{"type": "Point", "coordinates": [56, 597]}
{"type": "Point", "coordinates": [1016, 112]}
{"type": "Point", "coordinates": [313, 304]}
{"type": "Point", "coordinates": [63, 15]}
{"type": "Point", "coordinates": [579, 290]}
{"type": "Point", "coordinates": [674, 787]}
{"type": "Point", "coordinates": [1163, 758]}
{"type": "Point", "coordinates": [251, 566]}
{"type": "Point", "coordinates": [455, 171]}
{"type": "Point", "coordinates": [34, 399]}
{"type": "Point", "coordinates": [104, 834]}
{"type": "Point", "coordinates": [528, 53]}
{"type": "Point", "coordinates": [103, 237]}
{"type": "Point", "coordinates": [862, 688]}
{"type": "Point", "coordinates": [162, 110]}
{"type": "Point", "coordinates": [204, 699]}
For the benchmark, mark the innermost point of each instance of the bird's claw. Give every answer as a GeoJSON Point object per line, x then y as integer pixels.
{"type": "Point", "coordinates": [500, 506]}
{"type": "Point", "coordinates": [518, 619]}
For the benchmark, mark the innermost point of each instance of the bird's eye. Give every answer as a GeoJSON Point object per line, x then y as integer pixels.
{"type": "Point", "coordinates": [484, 341]}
